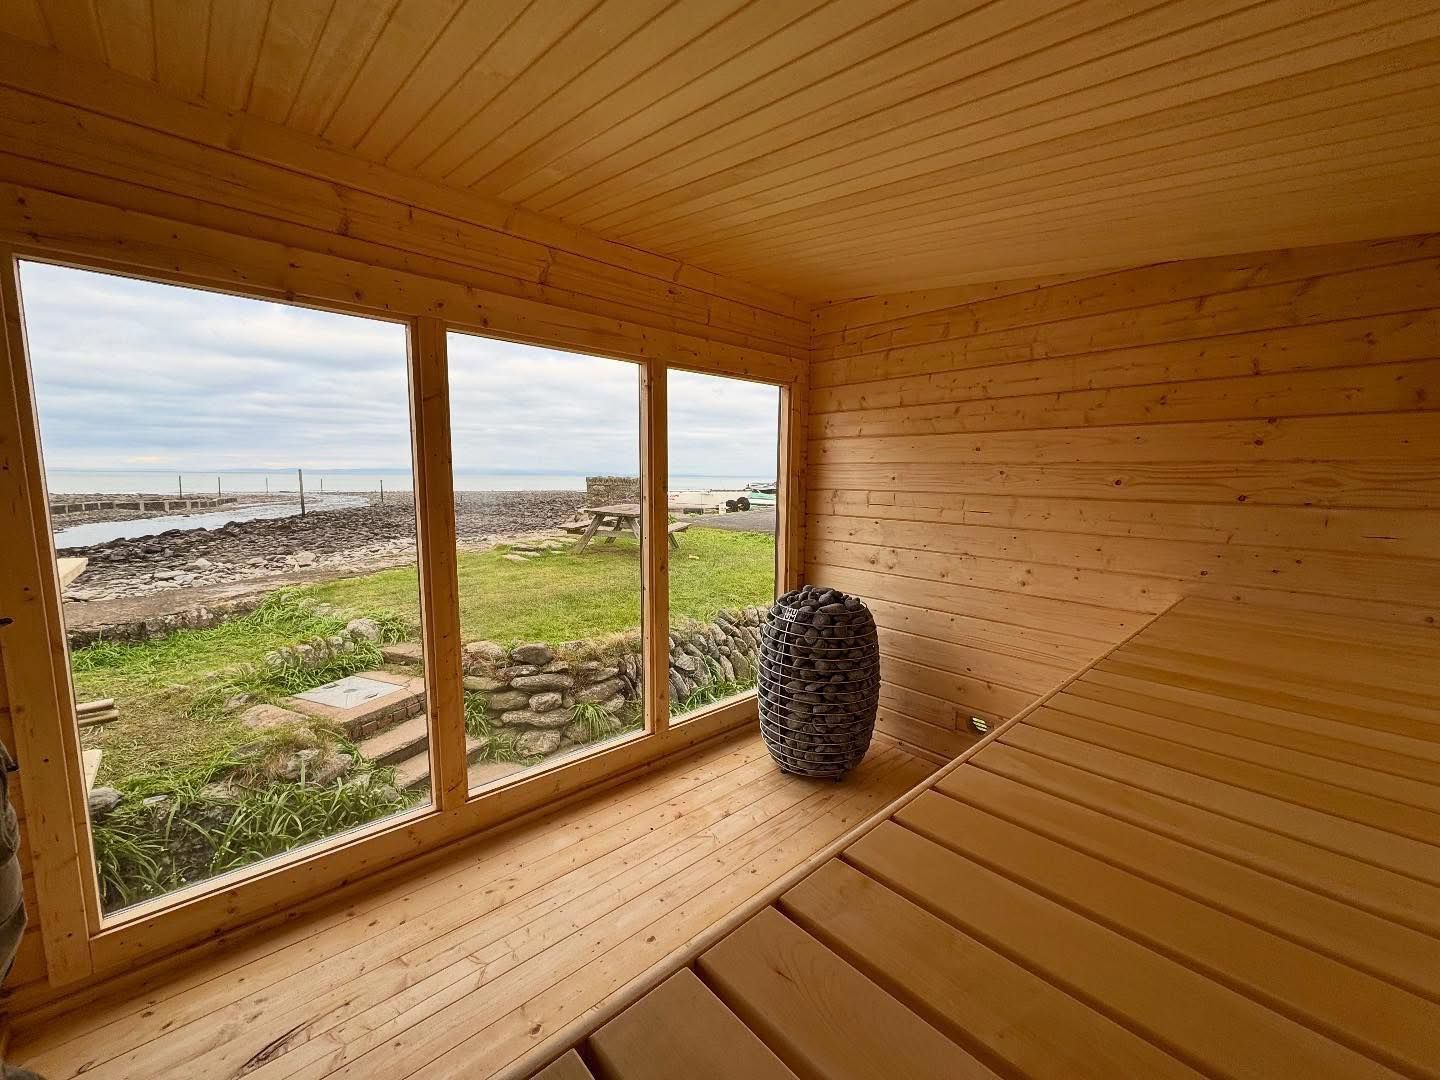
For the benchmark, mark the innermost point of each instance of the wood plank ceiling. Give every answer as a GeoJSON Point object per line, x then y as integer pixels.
{"type": "Point", "coordinates": [835, 148]}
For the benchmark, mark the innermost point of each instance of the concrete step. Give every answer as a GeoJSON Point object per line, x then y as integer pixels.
{"type": "Point", "coordinates": [395, 744]}
{"type": "Point", "coordinates": [414, 771]}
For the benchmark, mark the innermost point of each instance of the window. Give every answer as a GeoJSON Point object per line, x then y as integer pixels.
{"type": "Point", "coordinates": [230, 492]}
{"type": "Point", "coordinates": [546, 452]}
{"type": "Point", "coordinates": [235, 489]}
{"type": "Point", "coordinates": [723, 494]}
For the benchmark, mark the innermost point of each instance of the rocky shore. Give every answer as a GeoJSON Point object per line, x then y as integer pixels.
{"type": "Point", "coordinates": [325, 543]}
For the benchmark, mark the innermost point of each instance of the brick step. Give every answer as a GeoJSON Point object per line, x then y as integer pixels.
{"type": "Point", "coordinates": [414, 771]}
{"type": "Point", "coordinates": [395, 744]}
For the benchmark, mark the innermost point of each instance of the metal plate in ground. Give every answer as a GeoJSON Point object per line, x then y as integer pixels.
{"type": "Point", "coordinates": [349, 692]}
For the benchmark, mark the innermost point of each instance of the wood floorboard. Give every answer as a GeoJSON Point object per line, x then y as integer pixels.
{"type": "Point", "coordinates": [1213, 852]}
{"type": "Point", "coordinates": [577, 902]}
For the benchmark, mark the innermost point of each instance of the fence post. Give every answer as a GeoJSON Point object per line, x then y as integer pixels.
{"type": "Point", "coordinates": [180, 484]}
{"type": "Point", "coordinates": [301, 474]}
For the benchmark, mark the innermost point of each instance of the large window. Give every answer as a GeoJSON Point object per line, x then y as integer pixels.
{"type": "Point", "coordinates": [230, 491]}
{"type": "Point", "coordinates": [234, 489]}
{"type": "Point", "coordinates": [723, 509]}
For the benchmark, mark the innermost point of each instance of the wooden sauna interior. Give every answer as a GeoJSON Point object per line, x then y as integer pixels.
{"type": "Point", "coordinates": [1108, 336]}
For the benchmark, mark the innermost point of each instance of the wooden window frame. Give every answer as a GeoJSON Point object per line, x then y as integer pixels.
{"type": "Point", "coordinates": [80, 944]}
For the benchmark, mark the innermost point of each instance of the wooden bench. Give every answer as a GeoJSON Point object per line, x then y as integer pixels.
{"type": "Point", "coordinates": [581, 527]}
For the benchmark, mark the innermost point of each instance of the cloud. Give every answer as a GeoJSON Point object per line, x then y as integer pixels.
{"type": "Point", "coordinates": [136, 374]}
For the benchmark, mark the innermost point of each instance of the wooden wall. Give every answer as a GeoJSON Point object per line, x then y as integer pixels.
{"type": "Point", "coordinates": [1016, 474]}
{"type": "Point", "coordinates": [30, 961]}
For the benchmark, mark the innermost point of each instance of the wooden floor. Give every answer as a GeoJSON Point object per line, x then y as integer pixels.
{"type": "Point", "coordinates": [1212, 854]}
{"type": "Point", "coordinates": [463, 968]}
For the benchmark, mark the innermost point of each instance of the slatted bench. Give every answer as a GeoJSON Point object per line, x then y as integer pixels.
{"type": "Point", "coordinates": [1217, 848]}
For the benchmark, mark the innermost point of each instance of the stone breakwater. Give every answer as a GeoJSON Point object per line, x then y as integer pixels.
{"type": "Point", "coordinates": [328, 542]}
{"type": "Point", "coordinates": [75, 508]}
{"type": "Point", "coordinates": [547, 699]}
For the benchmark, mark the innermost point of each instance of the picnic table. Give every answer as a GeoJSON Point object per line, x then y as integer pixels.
{"type": "Point", "coordinates": [616, 519]}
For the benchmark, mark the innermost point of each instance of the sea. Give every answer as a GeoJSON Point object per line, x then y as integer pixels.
{"type": "Point", "coordinates": [324, 490]}
{"type": "Point", "coordinates": [277, 482]}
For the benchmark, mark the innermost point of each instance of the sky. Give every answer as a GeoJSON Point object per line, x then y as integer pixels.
{"type": "Point", "coordinates": [138, 375]}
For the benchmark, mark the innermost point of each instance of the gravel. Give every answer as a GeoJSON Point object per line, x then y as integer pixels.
{"type": "Point", "coordinates": [356, 538]}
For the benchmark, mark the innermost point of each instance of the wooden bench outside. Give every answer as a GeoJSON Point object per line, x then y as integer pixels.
{"type": "Point", "coordinates": [616, 520]}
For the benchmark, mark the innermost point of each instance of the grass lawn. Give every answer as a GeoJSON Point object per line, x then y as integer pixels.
{"type": "Point", "coordinates": [175, 732]}
{"type": "Point", "coordinates": [172, 720]}
{"type": "Point", "coordinates": [564, 597]}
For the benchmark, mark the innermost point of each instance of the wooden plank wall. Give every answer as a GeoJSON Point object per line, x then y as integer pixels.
{"type": "Point", "coordinates": [1015, 474]}
{"type": "Point", "coordinates": [92, 162]}
{"type": "Point", "coordinates": [30, 961]}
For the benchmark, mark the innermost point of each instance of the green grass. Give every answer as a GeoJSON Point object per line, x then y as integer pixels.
{"type": "Point", "coordinates": [134, 857]}
{"type": "Point", "coordinates": [565, 597]}
{"type": "Point", "coordinates": [177, 734]}
{"type": "Point", "coordinates": [171, 694]}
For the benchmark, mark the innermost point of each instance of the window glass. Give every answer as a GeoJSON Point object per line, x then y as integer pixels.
{"type": "Point", "coordinates": [546, 449]}
{"type": "Point", "coordinates": [724, 459]}
{"type": "Point", "coordinates": [230, 494]}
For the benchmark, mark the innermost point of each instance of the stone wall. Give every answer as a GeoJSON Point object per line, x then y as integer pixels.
{"type": "Point", "coordinates": [604, 490]}
{"type": "Point", "coordinates": [549, 698]}
{"type": "Point", "coordinates": [155, 627]}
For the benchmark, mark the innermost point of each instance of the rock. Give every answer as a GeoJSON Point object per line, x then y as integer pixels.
{"type": "Point", "coordinates": [102, 801]}
{"type": "Point", "coordinates": [305, 558]}
{"type": "Point", "coordinates": [683, 662]}
{"type": "Point", "coordinates": [315, 766]}
{"type": "Point", "coordinates": [404, 652]}
{"type": "Point", "coordinates": [546, 701]}
{"type": "Point", "coordinates": [556, 665]}
{"type": "Point", "coordinates": [582, 732]}
{"type": "Point", "coordinates": [614, 704]}
{"type": "Point", "coordinates": [508, 699]}
{"type": "Point", "coordinates": [202, 564]}
{"type": "Point", "coordinates": [331, 768]}
{"type": "Point", "coordinates": [600, 674]}
{"type": "Point", "coordinates": [537, 743]}
{"type": "Point", "coordinates": [298, 764]}
{"type": "Point", "coordinates": [167, 575]}
{"type": "Point", "coordinates": [532, 653]}
{"type": "Point", "coordinates": [366, 629]}
{"type": "Point", "coordinates": [269, 717]}
{"type": "Point", "coordinates": [486, 650]}
{"type": "Point", "coordinates": [553, 681]}
{"type": "Point", "coordinates": [482, 683]}
{"type": "Point", "coordinates": [515, 558]}
{"type": "Point", "coordinates": [528, 718]}
{"type": "Point", "coordinates": [601, 691]}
